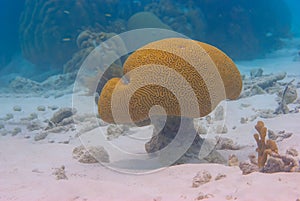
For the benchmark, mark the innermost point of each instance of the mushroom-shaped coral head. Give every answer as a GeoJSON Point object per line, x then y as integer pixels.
{"type": "Point", "coordinates": [185, 77]}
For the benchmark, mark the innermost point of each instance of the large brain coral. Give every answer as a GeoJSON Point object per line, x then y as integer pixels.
{"type": "Point", "coordinates": [168, 73]}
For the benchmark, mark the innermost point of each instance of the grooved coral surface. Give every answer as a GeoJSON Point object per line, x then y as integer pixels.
{"type": "Point", "coordinates": [184, 77]}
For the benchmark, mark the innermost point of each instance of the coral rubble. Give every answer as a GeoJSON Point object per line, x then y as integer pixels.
{"type": "Point", "coordinates": [262, 84]}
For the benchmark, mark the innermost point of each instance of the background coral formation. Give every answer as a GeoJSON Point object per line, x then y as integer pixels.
{"type": "Point", "coordinates": [48, 29]}
{"type": "Point", "coordinates": [145, 20]}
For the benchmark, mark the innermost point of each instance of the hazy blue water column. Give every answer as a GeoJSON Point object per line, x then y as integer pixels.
{"type": "Point", "coordinates": [294, 6]}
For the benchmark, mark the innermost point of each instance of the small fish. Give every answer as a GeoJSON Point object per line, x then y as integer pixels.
{"type": "Point", "coordinates": [269, 34]}
{"type": "Point", "coordinates": [66, 39]}
{"type": "Point", "coordinates": [137, 2]}
{"type": "Point", "coordinates": [67, 12]}
{"type": "Point", "coordinates": [108, 15]}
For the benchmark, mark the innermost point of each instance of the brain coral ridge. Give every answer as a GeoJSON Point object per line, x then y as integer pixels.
{"type": "Point", "coordinates": [185, 77]}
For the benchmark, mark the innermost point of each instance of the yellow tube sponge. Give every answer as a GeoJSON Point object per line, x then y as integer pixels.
{"type": "Point", "coordinates": [166, 73]}
{"type": "Point", "coordinates": [264, 148]}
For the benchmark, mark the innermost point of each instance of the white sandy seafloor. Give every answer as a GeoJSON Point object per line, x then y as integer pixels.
{"type": "Point", "coordinates": [27, 166]}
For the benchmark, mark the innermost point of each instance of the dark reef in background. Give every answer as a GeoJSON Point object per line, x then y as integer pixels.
{"type": "Point", "coordinates": [9, 21]}
{"type": "Point", "coordinates": [48, 29]}
{"type": "Point", "coordinates": [244, 29]}
{"type": "Point", "coordinates": [247, 29]}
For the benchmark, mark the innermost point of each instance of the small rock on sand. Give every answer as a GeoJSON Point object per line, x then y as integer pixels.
{"type": "Point", "coordinates": [92, 154]}
{"type": "Point", "coordinates": [201, 178]}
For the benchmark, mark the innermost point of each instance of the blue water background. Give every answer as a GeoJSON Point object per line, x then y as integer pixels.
{"type": "Point", "coordinates": [13, 64]}
{"type": "Point", "coordinates": [294, 6]}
